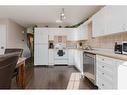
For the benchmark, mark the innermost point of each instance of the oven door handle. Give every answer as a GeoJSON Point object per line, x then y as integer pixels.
{"type": "Point", "coordinates": [88, 56]}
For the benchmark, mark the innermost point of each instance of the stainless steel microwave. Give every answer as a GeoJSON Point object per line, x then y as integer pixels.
{"type": "Point", "coordinates": [118, 48]}
{"type": "Point", "coordinates": [124, 47]}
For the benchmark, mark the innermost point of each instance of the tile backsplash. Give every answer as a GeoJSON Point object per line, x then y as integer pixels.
{"type": "Point", "coordinates": [106, 41]}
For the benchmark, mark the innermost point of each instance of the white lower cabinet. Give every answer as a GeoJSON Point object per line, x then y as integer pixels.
{"type": "Point", "coordinates": [71, 57]}
{"type": "Point", "coordinates": [51, 56]}
{"type": "Point", "coordinates": [109, 72]}
{"type": "Point", "coordinates": [122, 77]}
{"type": "Point", "coordinates": [78, 60]}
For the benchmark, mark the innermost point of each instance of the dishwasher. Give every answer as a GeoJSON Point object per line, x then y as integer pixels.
{"type": "Point", "coordinates": [89, 66]}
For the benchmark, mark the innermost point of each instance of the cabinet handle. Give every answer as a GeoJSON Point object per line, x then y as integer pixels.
{"type": "Point", "coordinates": [2, 47]}
{"type": "Point", "coordinates": [103, 73]}
{"type": "Point", "coordinates": [102, 84]}
{"type": "Point", "coordinates": [103, 66]}
{"type": "Point", "coordinates": [103, 59]}
{"type": "Point", "coordinates": [123, 27]}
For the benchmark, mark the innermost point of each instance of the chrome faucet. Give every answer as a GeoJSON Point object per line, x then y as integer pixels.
{"type": "Point", "coordinates": [88, 47]}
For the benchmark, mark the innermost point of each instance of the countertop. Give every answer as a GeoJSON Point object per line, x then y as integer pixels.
{"type": "Point", "coordinates": [108, 54]}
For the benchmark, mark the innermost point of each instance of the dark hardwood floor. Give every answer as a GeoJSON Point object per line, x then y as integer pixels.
{"type": "Point", "coordinates": [56, 77]}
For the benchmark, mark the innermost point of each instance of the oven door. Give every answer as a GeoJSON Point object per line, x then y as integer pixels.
{"type": "Point", "coordinates": [61, 57]}
{"type": "Point", "coordinates": [61, 54]}
{"type": "Point", "coordinates": [89, 66]}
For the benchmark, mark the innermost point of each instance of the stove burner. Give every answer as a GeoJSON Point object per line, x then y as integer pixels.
{"type": "Point", "coordinates": [60, 52]}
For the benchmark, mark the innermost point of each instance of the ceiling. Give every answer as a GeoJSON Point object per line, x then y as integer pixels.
{"type": "Point", "coordinates": [47, 15]}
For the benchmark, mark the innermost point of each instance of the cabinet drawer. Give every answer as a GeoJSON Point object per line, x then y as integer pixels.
{"type": "Point", "coordinates": [106, 67]}
{"type": "Point", "coordinates": [105, 74]}
{"type": "Point", "coordinates": [104, 84]}
{"type": "Point", "coordinates": [103, 58]}
{"type": "Point", "coordinates": [106, 60]}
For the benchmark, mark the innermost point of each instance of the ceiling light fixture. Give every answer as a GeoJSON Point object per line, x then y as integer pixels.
{"type": "Point", "coordinates": [61, 16]}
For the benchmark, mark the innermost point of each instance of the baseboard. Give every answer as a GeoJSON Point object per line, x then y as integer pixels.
{"type": "Point", "coordinates": [71, 66]}
{"type": "Point", "coordinates": [95, 86]}
{"type": "Point", "coordinates": [76, 68]}
{"type": "Point", "coordinates": [41, 66]}
{"type": "Point", "coordinates": [60, 64]}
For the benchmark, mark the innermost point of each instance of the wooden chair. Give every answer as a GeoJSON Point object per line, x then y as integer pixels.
{"type": "Point", "coordinates": [7, 65]}
{"type": "Point", "coordinates": [12, 50]}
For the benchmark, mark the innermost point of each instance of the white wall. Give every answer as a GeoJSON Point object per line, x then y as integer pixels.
{"type": "Point", "coordinates": [15, 36]}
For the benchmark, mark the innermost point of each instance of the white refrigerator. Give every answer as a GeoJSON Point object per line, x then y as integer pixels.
{"type": "Point", "coordinates": [41, 46]}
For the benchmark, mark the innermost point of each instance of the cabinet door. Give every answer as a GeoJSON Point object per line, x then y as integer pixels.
{"type": "Point", "coordinates": [109, 20]}
{"type": "Point", "coordinates": [53, 32]}
{"type": "Point", "coordinates": [124, 17]}
{"type": "Point", "coordinates": [99, 24]}
{"type": "Point", "coordinates": [79, 32]}
{"type": "Point", "coordinates": [2, 38]}
{"type": "Point", "coordinates": [71, 33]}
{"type": "Point", "coordinates": [82, 33]}
{"type": "Point", "coordinates": [41, 54]}
{"type": "Point", "coordinates": [71, 57]}
{"type": "Point", "coordinates": [86, 32]}
{"type": "Point", "coordinates": [78, 60]}
{"type": "Point", "coordinates": [98, 63]}
{"type": "Point", "coordinates": [69, 36]}
{"type": "Point", "coordinates": [81, 61]}
{"type": "Point", "coordinates": [122, 78]}
{"type": "Point", "coordinates": [75, 34]}
{"type": "Point", "coordinates": [106, 72]}
{"type": "Point", "coordinates": [115, 19]}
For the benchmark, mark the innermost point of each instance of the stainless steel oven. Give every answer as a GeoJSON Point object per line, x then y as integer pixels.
{"type": "Point", "coordinates": [89, 66]}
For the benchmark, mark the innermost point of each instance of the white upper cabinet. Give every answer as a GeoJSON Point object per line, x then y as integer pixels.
{"type": "Point", "coordinates": [99, 25]}
{"type": "Point", "coordinates": [58, 31]}
{"type": "Point", "coordinates": [110, 20]}
{"type": "Point", "coordinates": [116, 19]}
{"type": "Point", "coordinates": [51, 34]}
{"type": "Point", "coordinates": [73, 34]}
{"type": "Point", "coordinates": [82, 32]}
{"type": "Point", "coordinates": [69, 33]}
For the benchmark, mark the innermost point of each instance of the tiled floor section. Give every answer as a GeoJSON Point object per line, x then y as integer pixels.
{"type": "Point", "coordinates": [74, 81]}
